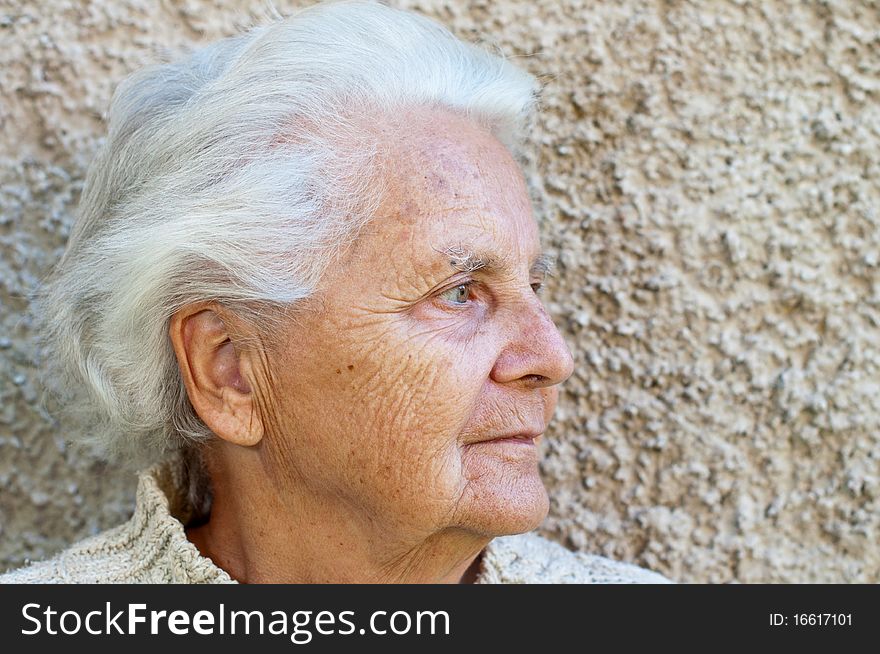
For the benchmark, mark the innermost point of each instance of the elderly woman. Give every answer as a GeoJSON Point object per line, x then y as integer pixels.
{"type": "Point", "coordinates": [302, 291]}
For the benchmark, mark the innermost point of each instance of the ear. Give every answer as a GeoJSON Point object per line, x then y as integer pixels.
{"type": "Point", "coordinates": [216, 375]}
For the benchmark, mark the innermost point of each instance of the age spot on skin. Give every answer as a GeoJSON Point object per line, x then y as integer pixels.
{"type": "Point", "coordinates": [350, 367]}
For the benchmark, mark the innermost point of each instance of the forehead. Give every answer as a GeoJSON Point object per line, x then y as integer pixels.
{"type": "Point", "coordinates": [450, 182]}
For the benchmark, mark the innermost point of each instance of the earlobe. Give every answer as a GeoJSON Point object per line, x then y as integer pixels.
{"type": "Point", "coordinates": [216, 373]}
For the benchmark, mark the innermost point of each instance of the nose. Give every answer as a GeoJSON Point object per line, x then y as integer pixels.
{"type": "Point", "coordinates": [535, 353]}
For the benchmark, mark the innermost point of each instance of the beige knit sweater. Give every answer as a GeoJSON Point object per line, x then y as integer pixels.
{"type": "Point", "coordinates": [152, 548]}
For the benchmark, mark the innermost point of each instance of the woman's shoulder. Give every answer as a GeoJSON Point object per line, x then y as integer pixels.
{"type": "Point", "coordinates": [131, 553]}
{"type": "Point", "coordinates": [103, 558]}
{"type": "Point", "coordinates": [530, 558]}
{"type": "Point", "coordinates": [150, 548]}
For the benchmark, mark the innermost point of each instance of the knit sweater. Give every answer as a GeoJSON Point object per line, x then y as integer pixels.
{"type": "Point", "coordinates": [152, 547]}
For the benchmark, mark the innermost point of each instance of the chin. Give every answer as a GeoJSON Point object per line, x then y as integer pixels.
{"type": "Point", "coordinates": [513, 506]}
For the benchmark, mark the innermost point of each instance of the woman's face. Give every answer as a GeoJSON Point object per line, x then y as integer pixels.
{"type": "Point", "coordinates": [411, 387]}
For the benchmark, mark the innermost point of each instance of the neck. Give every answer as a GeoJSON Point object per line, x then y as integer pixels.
{"type": "Point", "coordinates": [257, 536]}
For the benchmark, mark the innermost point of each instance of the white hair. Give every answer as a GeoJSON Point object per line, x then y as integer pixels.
{"type": "Point", "coordinates": [223, 178]}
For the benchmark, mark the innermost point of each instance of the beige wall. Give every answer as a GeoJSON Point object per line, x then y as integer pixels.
{"type": "Point", "coordinates": [708, 173]}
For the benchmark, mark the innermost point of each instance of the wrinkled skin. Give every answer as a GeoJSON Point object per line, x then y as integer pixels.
{"type": "Point", "coordinates": [381, 405]}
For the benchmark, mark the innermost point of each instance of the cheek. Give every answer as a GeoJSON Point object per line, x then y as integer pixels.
{"type": "Point", "coordinates": [416, 396]}
{"type": "Point", "coordinates": [378, 416]}
{"type": "Point", "coordinates": [408, 413]}
{"type": "Point", "coordinates": [388, 403]}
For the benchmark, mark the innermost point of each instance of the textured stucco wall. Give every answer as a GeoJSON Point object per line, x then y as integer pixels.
{"type": "Point", "coordinates": [708, 176]}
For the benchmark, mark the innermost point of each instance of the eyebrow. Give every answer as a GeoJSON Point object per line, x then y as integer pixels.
{"type": "Point", "coordinates": [466, 260]}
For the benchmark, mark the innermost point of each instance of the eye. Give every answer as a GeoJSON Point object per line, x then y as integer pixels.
{"type": "Point", "coordinates": [458, 294]}
{"type": "Point", "coordinates": [536, 287]}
